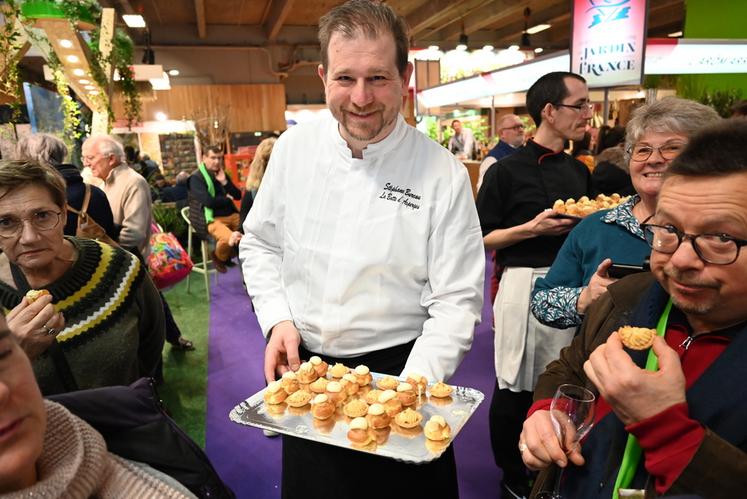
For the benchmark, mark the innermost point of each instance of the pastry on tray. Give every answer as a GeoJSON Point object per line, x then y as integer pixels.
{"type": "Point", "coordinates": [338, 370]}
{"type": "Point", "coordinates": [377, 417]}
{"type": "Point", "coordinates": [418, 382]}
{"type": "Point", "coordinates": [440, 390]}
{"type": "Point", "coordinates": [406, 394]}
{"type": "Point", "coordinates": [437, 429]}
{"type": "Point", "coordinates": [363, 375]}
{"type": "Point", "coordinates": [355, 408]}
{"type": "Point", "coordinates": [289, 381]}
{"type": "Point", "coordinates": [335, 392]}
{"type": "Point", "coordinates": [321, 407]}
{"type": "Point", "coordinates": [274, 394]}
{"type": "Point", "coordinates": [372, 397]}
{"type": "Point", "coordinates": [319, 386]}
{"type": "Point", "coordinates": [387, 383]}
{"type": "Point", "coordinates": [359, 433]}
{"type": "Point", "coordinates": [298, 398]}
{"type": "Point", "coordinates": [637, 338]}
{"type": "Point", "coordinates": [391, 403]}
{"type": "Point", "coordinates": [350, 384]}
{"type": "Point", "coordinates": [319, 365]}
{"type": "Point", "coordinates": [306, 373]}
{"type": "Point", "coordinates": [408, 418]}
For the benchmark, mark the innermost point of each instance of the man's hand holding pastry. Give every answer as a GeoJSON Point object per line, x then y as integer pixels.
{"type": "Point", "coordinates": [634, 393]}
{"type": "Point", "coordinates": [35, 324]}
{"type": "Point", "coordinates": [539, 444]}
{"type": "Point", "coordinates": [281, 352]}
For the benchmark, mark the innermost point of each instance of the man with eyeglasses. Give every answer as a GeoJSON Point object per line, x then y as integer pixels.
{"type": "Point", "coordinates": [514, 207]}
{"type": "Point", "coordinates": [670, 419]}
{"type": "Point", "coordinates": [511, 137]}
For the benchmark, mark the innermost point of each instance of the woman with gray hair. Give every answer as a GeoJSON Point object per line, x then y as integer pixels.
{"type": "Point", "coordinates": [655, 135]}
{"type": "Point", "coordinates": [49, 150]}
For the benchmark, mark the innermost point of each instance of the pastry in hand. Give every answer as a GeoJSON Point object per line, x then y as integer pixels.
{"type": "Point", "coordinates": [338, 370]}
{"type": "Point", "coordinates": [437, 429]}
{"type": "Point", "coordinates": [408, 418]}
{"type": "Point", "coordinates": [319, 386]}
{"type": "Point", "coordinates": [335, 392]}
{"type": "Point", "coordinates": [363, 375]}
{"type": "Point", "coordinates": [391, 403]}
{"type": "Point", "coordinates": [274, 394]}
{"type": "Point", "coordinates": [34, 294]}
{"type": "Point", "coordinates": [372, 397]}
{"type": "Point", "coordinates": [377, 417]}
{"type": "Point", "coordinates": [306, 373]}
{"type": "Point", "coordinates": [299, 398]}
{"type": "Point", "coordinates": [319, 365]}
{"type": "Point", "coordinates": [387, 383]}
{"type": "Point", "coordinates": [418, 382]}
{"type": "Point", "coordinates": [356, 408]}
{"type": "Point", "coordinates": [350, 384]}
{"type": "Point", "coordinates": [440, 390]}
{"type": "Point", "coordinates": [359, 433]}
{"type": "Point", "coordinates": [321, 407]}
{"type": "Point", "coordinates": [406, 394]}
{"type": "Point", "coordinates": [637, 338]}
{"type": "Point", "coordinates": [289, 382]}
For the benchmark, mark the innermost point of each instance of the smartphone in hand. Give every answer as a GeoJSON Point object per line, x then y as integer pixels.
{"type": "Point", "coordinates": [620, 270]}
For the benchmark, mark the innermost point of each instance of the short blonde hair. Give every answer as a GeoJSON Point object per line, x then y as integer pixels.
{"type": "Point", "coordinates": [15, 174]}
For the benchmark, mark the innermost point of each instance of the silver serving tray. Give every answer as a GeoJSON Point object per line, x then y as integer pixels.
{"type": "Point", "coordinates": [396, 443]}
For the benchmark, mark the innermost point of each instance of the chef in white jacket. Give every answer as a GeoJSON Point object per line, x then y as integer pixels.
{"type": "Point", "coordinates": [363, 245]}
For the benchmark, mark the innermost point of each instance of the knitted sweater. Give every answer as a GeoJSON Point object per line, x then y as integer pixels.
{"type": "Point", "coordinates": [75, 464]}
{"type": "Point", "coordinates": [114, 323]}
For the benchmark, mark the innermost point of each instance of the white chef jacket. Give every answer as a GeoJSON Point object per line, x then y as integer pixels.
{"type": "Point", "coordinates": [366, 254]}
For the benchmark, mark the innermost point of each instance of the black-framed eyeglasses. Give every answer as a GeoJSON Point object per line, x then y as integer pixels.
{"type": "Point", "coordinates": [586, 107]}
{"type": "Point", "coordinates": [668, 151]}
{"type": "Point", "coordinates": [515, 128]}
{"type": "Point", "coordinates": [41, 220]}
{"type": "Point", "coordinates": [718, 249]}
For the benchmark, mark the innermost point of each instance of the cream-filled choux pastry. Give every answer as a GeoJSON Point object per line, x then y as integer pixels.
{"type": "Point", "coordinates": [406, 394]}
{"type": "Point", "coordinates": [306, 373]}
{"type": "Point", "coordinates": [387, 383]}
{"type": "Point", "coordinates": [437, 429]}
{"type": "Point", "coordinates": [363, 375]}
{"type": "Point", "coordinates": [350, 384]}
{"type": "Point", "coordinates": [290, 382]}
{"type": "Point", "coordinates": [418, 382]}
{"type": "Point", "coordinates": [391, 403]}
{"type": "Point", "coordinates": [377, 417]}
{"type": "Point", "coordinates": [319, 385]}
{"type": "Point", "coordinates": [440, 390]}
{"type": "Point", "coordinates": [335, 392]}
{"type": "Point", "coordinates": [274, 394]}
{"type": "Point", "coordinates": [321, 407]}
{"type": "Point", "coordinates": [359, 432]}
{"type": "Point", "coordinates": [319, 365]}
{"type": "Point", "coordinates": [338, 370]}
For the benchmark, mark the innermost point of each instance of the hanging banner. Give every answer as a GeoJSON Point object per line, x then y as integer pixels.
{"type": "Point", "coordinates": [608, 42]}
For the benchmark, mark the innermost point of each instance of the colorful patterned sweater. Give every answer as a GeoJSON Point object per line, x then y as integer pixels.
{"type": "Point", "coordinates": [114, 323]}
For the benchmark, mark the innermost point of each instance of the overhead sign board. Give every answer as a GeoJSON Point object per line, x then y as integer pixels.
{"type": "Point", "coordinates": [608, 41]}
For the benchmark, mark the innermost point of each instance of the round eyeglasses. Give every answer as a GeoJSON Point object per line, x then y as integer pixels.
{"type": "Point", "coordinates": [41, 220]}
{"type": "Point", "coordinates": [718, 249]}
{"type": "Point", "coordinates": [515, 128]}
{"type": "Point", "coordinates": [669, 151]}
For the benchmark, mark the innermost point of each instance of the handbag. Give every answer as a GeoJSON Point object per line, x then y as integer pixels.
{"type": "Point", "coordinates": [87, 227]}
{"type": "Point", "coordinates": [167, 261]}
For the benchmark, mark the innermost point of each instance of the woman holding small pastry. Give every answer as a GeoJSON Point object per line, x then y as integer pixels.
{"type": "Point", "coordinates": [100, 321]}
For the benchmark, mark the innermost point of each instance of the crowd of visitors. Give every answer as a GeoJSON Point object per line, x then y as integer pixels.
{"type": "Point", "coordinates": [360, 242]}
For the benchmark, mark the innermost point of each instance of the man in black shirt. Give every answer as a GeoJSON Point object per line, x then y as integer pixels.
{"type": "Point", "coordinates": [514, 206]}
{"type": "Point", "coordinates": [216, 193]}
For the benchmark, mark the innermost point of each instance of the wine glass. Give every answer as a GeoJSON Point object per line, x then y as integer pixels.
{"type": "Point", "coordinates": [572, 415]}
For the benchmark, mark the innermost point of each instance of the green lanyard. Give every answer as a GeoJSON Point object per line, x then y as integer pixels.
{"type": "Point", "coordinates": [632, 455]}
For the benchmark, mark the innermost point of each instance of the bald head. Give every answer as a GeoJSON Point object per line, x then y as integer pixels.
{"type": "Point", "coordinates": [511, 130]}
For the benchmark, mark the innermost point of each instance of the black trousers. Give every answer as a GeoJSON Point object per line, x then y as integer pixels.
{"type": "Point", "coordinates": [313, 470]}
{"type": "Point", "coordinates": [508, 410]}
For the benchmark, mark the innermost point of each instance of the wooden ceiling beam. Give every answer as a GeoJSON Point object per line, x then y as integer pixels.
{"type": "Point", "coordinates": [436, 14]}
{"type": "Point", "coordinates": [279, 11]}
{"type": "Point", "coordinates": [201, 21]}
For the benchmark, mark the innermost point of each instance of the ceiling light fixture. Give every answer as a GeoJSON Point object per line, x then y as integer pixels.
{"type": "Point", "coordinates": [73, 59]}
{"type": "Point", "coordinates": [463, 42]}
{"type": "Point", "coordinates": [538, 50]}
{"type": "Point", "coordinates": [513, 47]}
{"type": "Point", "coordinates": [79, 72]}
{"type": "Point", "coordinates": [83, 81]}
{"type": "Point", "coordinates": [433, 47]}
{"type": "Point", "coordinates": [525, 35]}
{"type": "Point", "coordinates": [149, 57]}
{"type": "Point", "coordinates": [134, 20]}
{"type": "Point", "coordinates": [537, 28]}
{"type": "Point", "coordinates": [67, 44]}
{"type": "Point", "coordinates": [488, 48]}
{"type": "Point", "coordinates": [676, 34]}
{"type": "Point", "coordinates": [173, 72]}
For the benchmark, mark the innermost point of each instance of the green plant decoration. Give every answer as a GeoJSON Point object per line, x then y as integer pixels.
{"type": "Point", "coordinates": [9, 46]}
{"type": "Point", "coordinates": [168, 217]}
{"type": "Point", "coordinates": [70, 110]}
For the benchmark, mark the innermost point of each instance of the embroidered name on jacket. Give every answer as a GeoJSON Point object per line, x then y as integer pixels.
{"type": "Point", "coordinates": [402, 195]}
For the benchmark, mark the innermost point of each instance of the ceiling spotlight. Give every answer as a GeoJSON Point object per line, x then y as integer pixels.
{"type": "Point", "coordinates": [513, 47]}
{"type": "Point", "coordinates": [72, 58]}
{"type": "Point", "coordinates": [160, 116]}
{"type": "Point", "coordinates": [539, 27]}
{"type": "Point", "coordinates": [134, 20]}
{"type": "Point", "coordinates": [538, 50]}
{"type": "Point", "coordinates": [89, 87]}
{"type": "Point", "coordinates": [83, 81]}
{"type": "Point", "coordinates": [67, 44]}
{"type": "Point", "coordinates": [173, 72]}
{"type": "Point", "coordinates": [676, 34]}
{"type": "Point", "coordinates": [93, 92]}
{"type": "Point", "coordinates": [433, 48]}
{"type": "Point", "coordinates": [488, 48]}
{"type": "Point", "coordinates": [79, 72]}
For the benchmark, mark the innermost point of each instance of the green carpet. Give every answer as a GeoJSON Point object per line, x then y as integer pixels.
{"type": "Point", "coordinates": [184, 390]}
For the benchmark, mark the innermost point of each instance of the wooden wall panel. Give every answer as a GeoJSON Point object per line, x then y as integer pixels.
{"type": "Point", "coordinates": [249, 107]}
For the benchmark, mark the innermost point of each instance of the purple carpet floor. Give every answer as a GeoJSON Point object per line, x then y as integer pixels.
{"type": "Point", "coordinates": [249, 462]}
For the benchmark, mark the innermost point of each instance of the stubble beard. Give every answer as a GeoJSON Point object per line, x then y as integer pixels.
{"type": "Point", "coordinates": [366, 133]}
